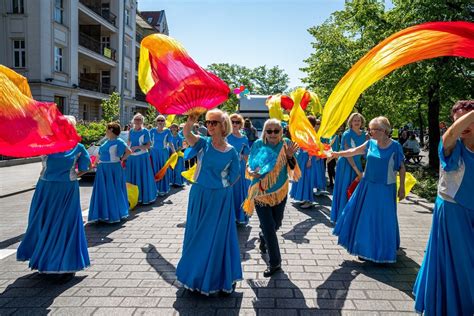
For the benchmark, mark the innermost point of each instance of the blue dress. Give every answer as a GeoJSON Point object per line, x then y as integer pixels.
{"type": "Point", "coordinates": [445, 282]}
{"type": "Point", "coordinates": [318, 169]}
{"type": "Point", "coordinates": [176, 177]}
{"type": "Point", "coordinates": [109, 200]}
{"type": "Point", "coordinates": [368, 225]}
{"type": "Point", "coordinates": [160, 152]}
{"type": "Point", "coordinates": [138, 167]}
{"type": "Point", "coordinates": [344, 172]}
{"type": "Point", "coordinates": [241, 187]}
{"type": "Point", "coordinates": [302, 190]}
{"type": "Point", "coordinates": [210, 260]}
{"type": "Point", "coordinates": [55, 241]}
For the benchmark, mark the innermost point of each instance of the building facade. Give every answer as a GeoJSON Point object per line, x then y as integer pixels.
{"type": "Point", "coordinates": [75, 52]}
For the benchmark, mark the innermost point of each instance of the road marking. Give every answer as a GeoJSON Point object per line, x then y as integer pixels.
{"type": "Point", "coordinates": [6, 252]}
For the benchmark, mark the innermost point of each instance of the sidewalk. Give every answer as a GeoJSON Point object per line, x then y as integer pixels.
{"type": "Point", "coordinates": [16, 179]}
{"type": "Point", "coordinates": [133, 270]}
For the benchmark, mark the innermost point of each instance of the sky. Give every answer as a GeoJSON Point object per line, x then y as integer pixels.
{"type": "Point", "coordinates": [247, 33]}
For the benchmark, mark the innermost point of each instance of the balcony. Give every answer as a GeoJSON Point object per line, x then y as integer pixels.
{"type": "Point", "coordinates": [96, 6]}
{"type": "Point", "coordinates": [95, 46]}
{"type": "Point", "coordinates": [89, 82]}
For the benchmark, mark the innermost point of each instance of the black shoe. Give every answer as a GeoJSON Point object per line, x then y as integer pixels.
{"type": "Point", "coordinates": [271, 271]}
{"type": "Point", "coordinates": [362, 259]}
{"type": "Point", "coordinates": [65, 278]}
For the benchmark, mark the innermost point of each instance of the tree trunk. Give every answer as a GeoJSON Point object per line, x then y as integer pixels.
{"type": "Point", "coordinates": [433, 124]}
{"type": "Point", "coordinates": [420, 124]}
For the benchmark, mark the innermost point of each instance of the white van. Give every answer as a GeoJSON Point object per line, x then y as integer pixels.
{"type": "Point", "coordinates": [253, 106]}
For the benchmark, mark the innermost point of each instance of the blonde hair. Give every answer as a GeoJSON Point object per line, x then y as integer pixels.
{"type": "Point", "coordinates": [138, 116]}
{"type": "Point", "coordinates": [236, 117]}
{"type": "Point", "coordinates": [226, 123]}
{"type": "Point", "coordinates": [383, 122]}
{"type": "Point", "coordinates": [352, 116]}
{"type": "Point", "coordinates": [160, 117]}
{"type": "Point", "coordinates": [272, 121]}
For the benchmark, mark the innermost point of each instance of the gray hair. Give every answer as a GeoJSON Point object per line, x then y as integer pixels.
{"type": "Point", "coordinates": [383, 122]}
{"type": "Point", "coordinates": [272, 121]}
{"type": "Point", "coordinates": [71, 119]}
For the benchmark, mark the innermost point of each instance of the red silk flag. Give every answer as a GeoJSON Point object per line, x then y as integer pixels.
{"type": "Point", "coordinates": [28, 127]}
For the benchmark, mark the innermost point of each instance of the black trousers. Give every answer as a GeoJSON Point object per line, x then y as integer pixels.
{"type": "Point", "coordinates": [271, 218]}
{"type": "Point", "coordinates": [332, 171]}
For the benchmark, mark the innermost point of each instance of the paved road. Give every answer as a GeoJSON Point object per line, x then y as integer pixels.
{"type": "Point", "coordinates": [133, 268]}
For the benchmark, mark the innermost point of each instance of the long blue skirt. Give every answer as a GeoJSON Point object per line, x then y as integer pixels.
{"type": "Point", "coordinates": [368, 225]}
{"type": "Point", "coordinates": [240, 190]}
{"type": "Point", "coordinates": [158, 160]}
{"type": "Point", "coordinates": [344, 177]}
{"type": "Point", "coordinates": [445, 282]}
{"type": "Point", "coordinates": [210, 260]}
{"type": "Point", "coordinates": [55, 241]}
{"type": "Point", "coordinates": [318, 169]}
{"type": "Point", "coordinates": [302, 190]}
{"type": "Point", "coordinates": [176, 177]}
{"type": "Point", "coordinates": [109, 201]}
{"type": "Point", "coordinates": [140, 173]}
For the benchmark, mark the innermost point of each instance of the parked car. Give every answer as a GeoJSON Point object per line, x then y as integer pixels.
{"type": "Point", "coordinates": [93, 151]}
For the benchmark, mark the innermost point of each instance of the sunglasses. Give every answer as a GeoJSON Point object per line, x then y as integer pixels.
{"type": "Point", "coordinates": [236, 122]}
{"type": "Point", "coordinates": [160, 121]}
{"type": "Point", "coordinates": [212, 123]}
{"type": "Point", "coordinates": [375, 130]}
{"type": "Point", "coordinates": [272, 131]}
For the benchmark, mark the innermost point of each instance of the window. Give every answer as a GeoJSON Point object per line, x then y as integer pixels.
{"type": "Point", "coordinates": [58, 58]}
{"type": "Point", "coordinates": [19, 53]}
{"type": "Point", "coordinates": [18, 6]}
{"type": "Point", "coordinates": [58, 11]}
{"type": "Point", "coordinates": [150, 19]}
{"type": "Point", "coordinates": [125, 80]}
{"type": "Point", "coordinates": [126, 43]}
{"type": "Point", "coordinates": [60, 103]}
{"type": "Point", "coordinates": [127, 17]}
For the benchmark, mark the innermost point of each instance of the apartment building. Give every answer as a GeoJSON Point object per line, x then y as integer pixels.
{"type": "Point", "coordinates": [76, 52]}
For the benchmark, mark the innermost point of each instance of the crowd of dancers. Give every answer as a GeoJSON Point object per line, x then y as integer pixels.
{"type": "Point", "coordinates": [235, 176]}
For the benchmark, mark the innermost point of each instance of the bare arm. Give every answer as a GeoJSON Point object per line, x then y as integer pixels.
{"type": "Point", "coordinates": [191, 139]}
{"type": "Point", "coordinates": [128, 152]}
{"type": "Point", "coordinates": [455, 130]}
{"type": "Point", "coordinates": [351, 152]}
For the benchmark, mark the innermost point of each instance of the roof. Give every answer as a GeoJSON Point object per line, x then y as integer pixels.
{"type": "Point", "coordinates": [154, 15]}
{"type": "Point", "coordinates": [140, 20]}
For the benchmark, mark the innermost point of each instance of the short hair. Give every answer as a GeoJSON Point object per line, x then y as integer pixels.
{"type": "Point", "coordinates": [115, 127]}
{"type": "Point", "coordinates": [226, 123]}
{"type": "Point", "coordinates": [352, 116]}
{"type": "Point", "coordinates": [174, 125]}
{"type": "Point", "coordinates": [383, 122]}
{"type": "Point", "coordinates": [312, 120]}
{"type": "Point", "coordinates": [160, 117]}
{"type": "Point", "coordinates": [138, 116]}
{"type": "Point", "coordinates": [272, 121]}
{"type": "Point", "coordinates": [235, 116]}
{"type": "Point", "coordinates": [71, 119]}
{"type": "Point", "coordinates": [467, 105]}
{"type": "Point", "coordinates": [247, 123]}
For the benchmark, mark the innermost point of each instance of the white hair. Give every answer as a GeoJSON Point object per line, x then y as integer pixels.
{"type": "Point", "coordinates": [71, 119]}
{"type": "Point", "coordinates": [272, 121]}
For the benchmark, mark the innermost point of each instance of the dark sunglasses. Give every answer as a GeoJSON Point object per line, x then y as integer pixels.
{"type": "Point", "coordinates": [236, 122]}
{"type": "Point", "coordinates": [160, 121]}
{"type": "Point", "coordinates": [212, 123]}
{"type": "Point", "coordinates": [271, 131]}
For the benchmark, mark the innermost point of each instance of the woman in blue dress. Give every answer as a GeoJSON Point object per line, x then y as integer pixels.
{"type": "Point", "coordinates": [138, 167]}
{"type": "Point", "coordinates": [347, 169]}
{"type": "Point", "coordinates": [55, 241]}
{"type": "Point", "coordinates": [271, 165]}
{"type": "Point", "coordinates": [210, 260]}
{"type": "Point", "coordinates": [240, 188]}
{"type": "Point", "coordinates": [318, 166]}
{"type": "Point", "coordinates": [302, 190]}
{"type": "Point", "coordinates": [368, 225]}
{"type": "Point", "coordinates": [109, 200]}
{"type": "Point", "coordinates": [445, 282]}
{"type": "Point", "coordinates": [160, 152]}
{"type": "Point", "coordinates": [177, 140]}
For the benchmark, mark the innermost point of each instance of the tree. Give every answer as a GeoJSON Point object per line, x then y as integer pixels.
{"type": "Point", "coordinates": [111, 108]}
{"type": "Point", "coordinates": [151, 114]}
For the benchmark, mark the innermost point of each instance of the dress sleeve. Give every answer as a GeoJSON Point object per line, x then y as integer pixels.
{"type": "Point", "coordinates": [84, 159]}
{"type": "Point", "coordinates": [234, 170]}
{"type": "Point", "coordinates": [451, 162]}
{"type": "Point", "coordinates": [246, 149]}
{"type": "Point", "coordinates": [399, 156]}
{"type": "Point", "coordinates": [345, 140]}
{"type": "Point", "coordinates": [121, 146]}
{"type": "Point", "coordinates": [146, 138]}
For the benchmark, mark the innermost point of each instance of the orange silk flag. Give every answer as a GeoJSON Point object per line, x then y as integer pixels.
{"type": "Point", "coordinates": [419, 42]}
{"type": "Point", "coordinates": [28, 127]}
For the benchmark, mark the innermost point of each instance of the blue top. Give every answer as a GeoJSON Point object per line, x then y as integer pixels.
{"type": "Point", "coordinates": [241, 144]}
{"type": "Point", "coordinates": [138, 138]}
{"type": "Point", "coordinates": [177, 141]}
{"type": "Point", "coordinates": [265, 156]}
{"type": "Point", "coordinates": [336, 144]}
{"type": "Point", "coordinates": [456, 175]}
{"type": "Point", "coordinates": [350, 139]}
{"type": "Point", "coordinates": [161, 139]}
{"type": "Point", "coordinates": [215, 169]}
{"type": "Point", "coordinates": [112, 150]}
{"type": "Point", "coordinates": [61, 166]}
{"type": "Point", "coordinates": [383, 163]}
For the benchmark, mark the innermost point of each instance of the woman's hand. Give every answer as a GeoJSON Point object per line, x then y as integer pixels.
{"type": "Point", "coordinates": [193, 118]}
{"type": "Point", "coordinates": [359, 175]}
{"type": "Point", "coordinates": [308, 163]}
{"type": "Point", "coordinates": [254, 173]}
{"type": "Point", "coordinates": [401, 193]}
{"type": "Point", "coordinates": [291, 149]}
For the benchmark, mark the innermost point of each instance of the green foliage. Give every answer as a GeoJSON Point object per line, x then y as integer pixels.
{"type": "Point", "coordinates": [427, 183]}
{"type": "Point", "coordinates": [111, 108]}
{"type": "Point", "coordinates": [91, 131]}
{"type": "Point", "coordinates": [150, 115]}
{"type": "Point", "coordinates": [260, 80]}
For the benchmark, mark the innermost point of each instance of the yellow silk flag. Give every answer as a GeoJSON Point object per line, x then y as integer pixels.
{"type": "Point", "coordinates": [132, 194]}
{"type": "Point", "coordinates": [410, 182]}
{"type": "Point", "coordinates": [274, 108]}
{"type": "Point", "coordinates": [189, 174]}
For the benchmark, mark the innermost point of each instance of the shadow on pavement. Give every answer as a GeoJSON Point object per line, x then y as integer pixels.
{"type": "Point", "coordinates": [10, 241]}
{"type": "Point", "coordinates": [34, 293]}
{"type": "Point", "coordinates": [188, 302]}
{"type": "Point", "coordinates": [245, 244]}
{"type": "Point", "coordinates": [317, 215]}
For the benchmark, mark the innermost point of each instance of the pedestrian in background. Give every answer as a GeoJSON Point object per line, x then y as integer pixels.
{"type": "Point", "coordinates": [160, 152]}
{"type": "Point", "coordinates": [177, 140]}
